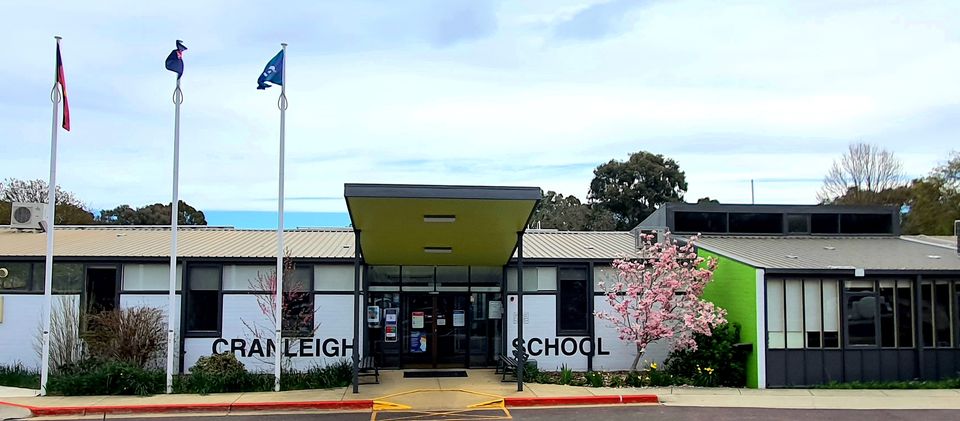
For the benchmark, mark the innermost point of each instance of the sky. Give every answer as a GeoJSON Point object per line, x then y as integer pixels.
{"type": "Point", "coordinates": [525, 93]}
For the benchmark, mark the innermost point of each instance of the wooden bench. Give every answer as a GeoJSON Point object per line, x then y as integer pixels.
{"type": "Point", "coordinates": [368, 367]}
{"type": "Point", "coordinates": [507, 365]}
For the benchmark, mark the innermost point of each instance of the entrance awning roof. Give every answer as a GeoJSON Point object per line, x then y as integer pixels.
{"type": "Point", "coordinates": [439, 225]}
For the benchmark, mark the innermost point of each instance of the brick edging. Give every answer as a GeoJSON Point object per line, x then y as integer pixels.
{"type": "Point", "coordinates": [201, 407]}
{"type": "Point", "coordinates": [580, 400]}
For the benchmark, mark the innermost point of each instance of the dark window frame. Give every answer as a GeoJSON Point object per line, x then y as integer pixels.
{"type": "Point", "coordinates": [786, 223]}
{"type": "Point", "coordinates": [309, 293]}
{"type": "Point", "coordinates": [187, 297]}
{"type": "Point", "coordinates": [588, 301]}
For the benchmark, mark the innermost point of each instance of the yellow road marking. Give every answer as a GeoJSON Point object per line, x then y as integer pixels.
{"type": "Point", "coordinates": [379, 405]}
{"type": "Point", "coordinates": [494, 404]}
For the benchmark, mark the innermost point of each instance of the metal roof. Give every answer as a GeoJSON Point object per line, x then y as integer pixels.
{"type": "Point", "coordinates": [99, 241]}
{"type": "Point", "coordinates": [833, 253]}
{"type": "Point", "coordinates": [207, 242]}
{"type": "Point", "coordinates": [599, 245]}
{"type": "Point", "coordinates": [940, 240]}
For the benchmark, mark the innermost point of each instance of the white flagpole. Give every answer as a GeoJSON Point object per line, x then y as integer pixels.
{"type": "Point", "coordinates": [278, 312]}
{"type": "Point", "coordinates": [55, 96]}
{"type": "Point", "coordinates": [174, 221]}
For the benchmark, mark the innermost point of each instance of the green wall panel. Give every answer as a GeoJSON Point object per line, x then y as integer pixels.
{"type": "Point", "coordinates": [734, 288]}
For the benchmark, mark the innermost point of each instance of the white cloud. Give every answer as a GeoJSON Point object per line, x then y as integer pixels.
{"type": "Point", "coordinates": [380, 93]}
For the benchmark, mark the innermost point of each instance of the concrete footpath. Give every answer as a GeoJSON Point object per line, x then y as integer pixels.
{"type": "Point", "coordinates": [481, 389]}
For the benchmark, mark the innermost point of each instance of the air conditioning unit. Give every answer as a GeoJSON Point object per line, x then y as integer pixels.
{"type": "Point", "coordinates": [26, 215]}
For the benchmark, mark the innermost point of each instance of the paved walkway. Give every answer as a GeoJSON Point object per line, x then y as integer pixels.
{"type": "Point", "coordinates": [483, 387]}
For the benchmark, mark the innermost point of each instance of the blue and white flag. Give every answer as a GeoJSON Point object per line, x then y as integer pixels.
{"type": "Point", "coordinates": [273, 73]}
{"type": "Point", "coordinates": [175, 59]}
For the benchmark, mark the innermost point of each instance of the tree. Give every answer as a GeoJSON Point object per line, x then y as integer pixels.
{"type": "Point", "coordinates": [567, 213]}
{"type": "Point", "coordinates": [707, 201]}
{"type": "Point", "coordinates": [862, 171]}
{"type": "Point", "coordinates": [296, 309]}
{"type": "Point", "coordinates": [634, 188]}
{"type": "Point", "coordinates": [155, 214]}
{"type": "Point", "coordinates": [657, 296]}
{"type": "Point", "coordinates": [934, 201]}
{"type": "Point", "coordinates": [69, 209]}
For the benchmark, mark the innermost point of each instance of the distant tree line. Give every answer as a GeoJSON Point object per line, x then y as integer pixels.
{"type": "Point", "coordinates": [869, 175]}
{"type": "Point", "coordinates": [70, 210]}
{"type": "Point", "coordinates": [624, 193]}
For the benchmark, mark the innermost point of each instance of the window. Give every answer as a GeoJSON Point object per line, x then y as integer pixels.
{"type": "Point", "coordinates": [248, 277]}
{"type": "Point", "coordinates": [937, 314]}
{"type": "Point", "coordinates": [812, 313]}
{"type": "Point", "coordinates": [18, 278]}
{"type": "Point", "coordinates": [298, 308]}
{"type": "Point", "coordinates": [334, 278]}
{"type": "Point", "coordinates": [831, 313]}
{"type": "Point", "coordinates": [896, 314]}
{"type": "Point", "coordinates": [861, 308]}
{"type": "Point", "coordinates": [417, 278]}
{"type": "Point", "coordinates": [153, 277]}
{"type": "Point", "coordinates": [865, 223]}
{"type": "Point", "coordinates": [383, 278]}
{"type": "Point", "coordinates": [573, 302]}
{"type": "Point", "coordinates": [700, 221]}
{"type": "Point", "coordinates": [453, 278]}
{"type": "Point", "coordinates": [798, 223]}
{"type": "Point", "coordinates": [203, 299]}
{"type": "Point", "coordinates": [775, 328]}
{"type": "Point", "coordinates": [486, 278]}
{"type": "Point", "coordinates": [824, 223]}
{"type": "Point", "coordinates": [530, 276]}
{"type": "Point", "coordinates": [793, 300]}
{"type": "Point", "coordinates": [904, 306]}
{"type": "Point", "coordinates": [28, 277]}
{"type": "Point", "coordinates": [861, 319]}
{"type": "Point", "coordinates": [802, 313]}
{"type": "Point", "coordinates": [756, 223]}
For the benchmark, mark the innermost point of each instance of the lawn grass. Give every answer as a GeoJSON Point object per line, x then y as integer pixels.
{"type": "Point", "coordinates": [909, 384]}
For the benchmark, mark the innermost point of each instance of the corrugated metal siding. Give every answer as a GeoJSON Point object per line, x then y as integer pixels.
{"type": "Point", "coordinates": [192, 242]}
{"type": "Point", "coordinates": [577, 245]}
{"type": "Point", "coordinates": [234, 243]}
{"type": "Point", "coordinates": [878, 253]}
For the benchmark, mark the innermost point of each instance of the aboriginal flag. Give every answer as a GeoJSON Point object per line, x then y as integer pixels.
{"type": "Point", "coordinates": [174, 62]}
{"type": "Point", "coordinates": [62, 81]}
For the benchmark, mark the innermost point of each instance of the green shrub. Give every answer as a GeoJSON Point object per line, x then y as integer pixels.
{"type": "Point", "coordinates": [658, 377]}
{"type": "Point", "coordinates": [220, 373]}
{"type": "Point", "coordinates": [634, 379]}
{"type": "Point", "coordinates": [716, 362]}
{"type": "Point", "coordinates": [338, 374]}
{"type": "Point", "coordinates": [594, 379]}
{"type": "Point", "coordinates": [566, 375]}
{"type": "Point", "coordinates": [532, 374]}
{"type": "Point", "coordinates": [618, 381]}
{"type": "Point", "coordinates": [19, 376]}
{"type": "Point", "coordinates": [95, 377]}
{"type": "Point", "coordinates": [135, 335]}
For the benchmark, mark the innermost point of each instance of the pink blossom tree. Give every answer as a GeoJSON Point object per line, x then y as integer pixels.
{"type": "Point", "coordinates": [657, 295]}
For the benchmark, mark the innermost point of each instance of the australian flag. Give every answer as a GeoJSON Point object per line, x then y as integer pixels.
{"type": "Point", "coordinates": [175, 59]}
{"type": "Point", "coordinates": [273, 73]}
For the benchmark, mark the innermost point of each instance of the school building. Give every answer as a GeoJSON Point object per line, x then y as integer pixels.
{"type": "Point", "coordinates": [434, 276]}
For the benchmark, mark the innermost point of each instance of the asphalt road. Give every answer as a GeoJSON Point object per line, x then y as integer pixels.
{"type": "Point", "coordinates": [653, 413]}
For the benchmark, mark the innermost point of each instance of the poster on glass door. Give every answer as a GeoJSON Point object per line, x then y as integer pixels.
{"type": "Point", "coordinates": [416, 320]}
{"type": "Point", "coordinates": [418, 341]}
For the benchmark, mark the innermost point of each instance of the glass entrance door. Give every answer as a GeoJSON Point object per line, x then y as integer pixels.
{"type": "Point", "coordinates": [436, 330]}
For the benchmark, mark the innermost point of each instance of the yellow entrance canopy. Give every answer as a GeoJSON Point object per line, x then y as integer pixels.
{"type": "Point", "coordinates": [439, 225]}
